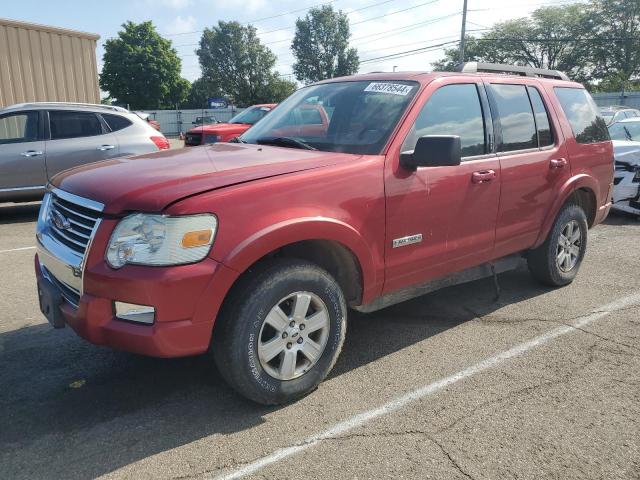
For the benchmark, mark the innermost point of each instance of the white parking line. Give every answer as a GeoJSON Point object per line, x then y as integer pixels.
{"type": "Point", "coordinates": [422, 392]}
{"type": "Point", "coordinates": [17, 249]}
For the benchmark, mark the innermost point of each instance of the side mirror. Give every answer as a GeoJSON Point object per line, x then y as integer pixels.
{"type": "Point", "coordinates": [433, 151]}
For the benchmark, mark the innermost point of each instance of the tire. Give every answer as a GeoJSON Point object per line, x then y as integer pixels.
{"type": "Point", "coordinates": [546, 263]}
{"type": "Point", "coordinates": [260, 310]}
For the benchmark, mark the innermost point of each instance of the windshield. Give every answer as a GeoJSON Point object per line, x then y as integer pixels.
{"type": "Point", "coordinates": [251, 115]}
{"type": "Point", "coordinates": [350, 117]}
{"type": "Point", "coordinates": [629, 131]}
{"type": "Point", "coordinates": [607, 116]}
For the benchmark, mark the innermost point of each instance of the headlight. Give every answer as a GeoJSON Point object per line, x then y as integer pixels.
{"type": "Point", "coordinates": [160, 240]}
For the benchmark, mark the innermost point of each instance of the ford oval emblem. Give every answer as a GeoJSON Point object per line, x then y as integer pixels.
{"type": "Point", "coordinates": [60, 221]}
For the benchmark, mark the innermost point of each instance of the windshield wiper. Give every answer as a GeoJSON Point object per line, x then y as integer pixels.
{"type": "Point", "coordinates": [285, 142]}
{"type": "Point", "coordinates": [237, 140]}
{"type": "Point", "coordinates": [627, 134]}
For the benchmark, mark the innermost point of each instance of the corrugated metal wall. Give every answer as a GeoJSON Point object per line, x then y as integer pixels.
{"type": "Point", "coordinates": [40, 63]}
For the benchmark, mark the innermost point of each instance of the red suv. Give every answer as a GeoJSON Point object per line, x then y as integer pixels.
{"type": "Point", "coordinates": [355, 192]}
{"type": "Point", "coordinates": [223, 132]}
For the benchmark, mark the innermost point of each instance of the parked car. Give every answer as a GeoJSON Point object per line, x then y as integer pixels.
{"type": "Point", "coordinates": [223, 132]}
{"type": "Point", "coordinates": [626, 149]}
{"type": "Point", "coordinates": [204, 120]}
{"type": "Point", "coordinates": [38, 140]}
{"type": "Point", "coordinates": [254, 250]}
{"type": "Point", "coordinates": [147, 118]}
{"type": "Point", "coordinates": [615, 113]}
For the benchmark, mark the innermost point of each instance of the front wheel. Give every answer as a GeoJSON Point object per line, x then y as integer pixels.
{"type": "Point", "coordinates": [556, 262]}
{"type": "Point", "coordinates": [280, 332]}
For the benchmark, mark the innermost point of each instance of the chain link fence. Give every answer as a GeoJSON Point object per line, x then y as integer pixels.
{"type": "Point", "coordinates": [174, 122]}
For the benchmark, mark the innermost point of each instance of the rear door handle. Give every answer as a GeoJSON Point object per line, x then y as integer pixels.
{"type": "Point", "coordinates": [483, 176]}
{"type": "Point", "coordinates": [32, 153]}
{"type": "Point", "coordinates": [104, 148]}
{"type": "Point", "coordinates": [558, 163]}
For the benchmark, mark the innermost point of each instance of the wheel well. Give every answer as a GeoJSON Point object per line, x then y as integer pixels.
{"type": "Point", "coordinates": [586, 199]}
{"type": "Point", "coordinates": [332, 256]}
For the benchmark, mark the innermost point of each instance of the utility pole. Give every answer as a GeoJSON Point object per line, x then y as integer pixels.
{"type": "Point", "coordinates": [462, 31]}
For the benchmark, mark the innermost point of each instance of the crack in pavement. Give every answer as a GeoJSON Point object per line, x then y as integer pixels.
{"type": "Point", "coordinates": [489, 318]}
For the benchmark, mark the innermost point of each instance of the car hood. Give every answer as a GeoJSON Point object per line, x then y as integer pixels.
{"type": "Point", "coordinates": [626, 152]}
{"type": "Point", "coordinates": [151, 182]}
{"type": "Point", "coordinates": [220, 128]}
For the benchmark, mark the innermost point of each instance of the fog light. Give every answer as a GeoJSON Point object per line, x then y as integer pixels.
{"type": "Point", "coordinates": [135, 313]}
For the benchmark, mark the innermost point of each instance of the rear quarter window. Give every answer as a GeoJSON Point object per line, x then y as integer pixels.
{"type": "Point", "coordinates": [116, 122]}
{"type": "Point", "coordinates": [581, 111]}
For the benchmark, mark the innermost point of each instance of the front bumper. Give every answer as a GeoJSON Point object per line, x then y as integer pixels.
{"type": "Point", "coordinates": [185, 299]}
{"type": "Point", "coordinates": [626, 191]}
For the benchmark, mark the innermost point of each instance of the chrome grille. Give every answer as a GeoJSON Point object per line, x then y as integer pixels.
{"type": "Point", "coordinates": [81, 221]}
{"type": "Point", "coordinates": [71, 295]}
{"type": "Point", "coordinates": [193, 139]}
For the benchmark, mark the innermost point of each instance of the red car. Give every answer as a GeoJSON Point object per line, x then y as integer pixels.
{"type": "Point", "coordinates": [355, 192]}
{"type": "Point", "coordinates": [223, 132]}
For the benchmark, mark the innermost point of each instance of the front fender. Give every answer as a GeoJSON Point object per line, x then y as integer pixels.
{"type": "Point", "coordinates": [580, 181]}
{"type": "Point", "coordinates": [286, 232]}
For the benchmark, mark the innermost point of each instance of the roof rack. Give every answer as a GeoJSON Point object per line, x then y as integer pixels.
{"type": "Point", "coordinates": [70, 104]}
{"type": "Point", "coordinates": [477, 67]}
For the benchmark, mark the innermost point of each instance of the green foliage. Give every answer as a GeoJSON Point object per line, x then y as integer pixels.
{"type": "Point", "coordinates": [232, 56]}
{"type": "Point", "coordinates": [597, 43]}
{"type": "Point", "coordinates": [141, 69]}
{"type": "Point", "coordinates": [201, 90]}
{"type": "Point", "coordinates": [616, 35]}
{"type": "Point", "coordinates": [321, 46]}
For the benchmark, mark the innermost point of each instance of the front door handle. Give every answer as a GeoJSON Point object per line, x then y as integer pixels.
{"type": "Point", "coordinates": [32, 153]}
{"type": "Point", "coordinates": [104, 148]}
{"type": "Point", "coordinates": [558, 163]}
{"type": "Point", "coordinates": [483, 176]}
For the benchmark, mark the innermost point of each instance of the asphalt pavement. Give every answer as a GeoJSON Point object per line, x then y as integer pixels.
{"type": "Point", "coordinates": [541, 383]}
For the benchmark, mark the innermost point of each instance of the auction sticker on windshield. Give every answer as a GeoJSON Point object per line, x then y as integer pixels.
{"type": "Point", "coordinates": [392, 88]}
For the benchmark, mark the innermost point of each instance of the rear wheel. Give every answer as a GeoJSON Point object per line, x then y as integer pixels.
{"type": "Point", "coordinates": [556, 262]}
{"type": "Point", "coordinates": [280, 332]}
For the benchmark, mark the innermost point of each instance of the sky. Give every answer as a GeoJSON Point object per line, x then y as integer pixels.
{"type": "Point", "coordinates": [378, 28]}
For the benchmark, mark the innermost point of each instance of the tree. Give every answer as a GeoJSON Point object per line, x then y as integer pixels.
{"type": "Point", "coordinates": [616, 36]}
{"type": "Point", "coordinates": [202, 89]}
{"type": "Point", "coordinates": [141, 69]}
{"type": "Point", "coordinates": [232, 56]}
{"type": "Point", "coordinates": [321, 46]}
{"type": "Point", "coordinates": [557, 38]}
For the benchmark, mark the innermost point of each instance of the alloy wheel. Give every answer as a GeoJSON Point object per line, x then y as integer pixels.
{"type": "Point", "coordinates": [293, 335]}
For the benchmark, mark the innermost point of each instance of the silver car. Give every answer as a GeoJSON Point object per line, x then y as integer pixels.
{"type": "Point", "coordinates": [39, 140]}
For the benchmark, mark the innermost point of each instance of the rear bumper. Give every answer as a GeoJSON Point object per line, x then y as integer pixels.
{"type": "Point", "coordinates": [186, 299]}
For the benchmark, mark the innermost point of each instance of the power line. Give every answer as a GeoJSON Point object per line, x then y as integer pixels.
{"type": "Point", "coordinates": [405, 29]}
{"type": "Point", "coordinates": [371, 19]}
{"type": "Point", "coordinates": [304, 9]}
{"type": "Point", "coordinates": [260, 19]}
{"type": "Point", "coordinates": [349, 13]}
{"type": "Point", "coordinates": [408, 53]}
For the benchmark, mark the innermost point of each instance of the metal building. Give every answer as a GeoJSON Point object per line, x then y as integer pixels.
{"type": "Point", "coordinates": [41, 63]}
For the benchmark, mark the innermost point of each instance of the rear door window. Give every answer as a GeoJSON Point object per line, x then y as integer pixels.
{"type": "Point", "coordinates": [65, 124]}
{"type": "Point", "coordinates": [582, 113]}
{"type": "Point", "coordinates": [19, 128]}
{"type": "Point", "coordinates": [116, 122]}
{"type": "Point", "coordinates": [452, 110]}
{"type": "Point", "coordinates": [545, 136]}
{"type": "Point", "coordinates": [515, 116]}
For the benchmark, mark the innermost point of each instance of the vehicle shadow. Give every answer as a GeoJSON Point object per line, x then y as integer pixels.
{"type": "Point", "coordinates": [621, 218]}
{"type": "Point", "coordinates": [18, 212]}
{"type": "Point", "coordinates": [74, 410]}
